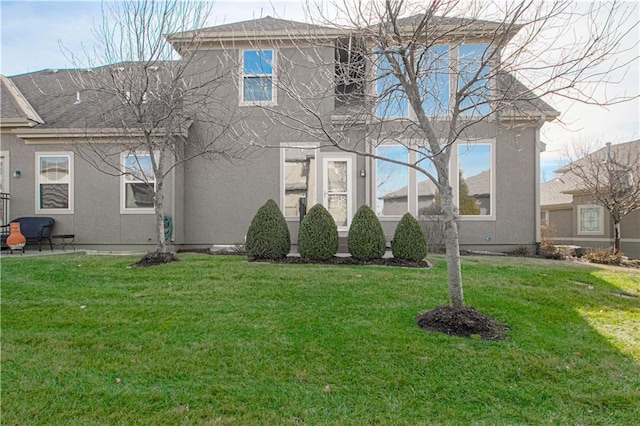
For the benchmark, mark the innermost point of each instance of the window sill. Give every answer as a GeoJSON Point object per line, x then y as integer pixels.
{"type": "Point", "coordinates": [591, 233]}
{"type": "Point", "coordinates": [490, 218]}
{"type": "Point", "coordinates": [257, 103]}
{"type": "Point", "coordinates": [54, 211]}
{"type": "Point", "coordinates": [137, 211]}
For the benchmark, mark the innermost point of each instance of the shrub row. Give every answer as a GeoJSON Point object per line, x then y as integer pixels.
{"type": "Point", "coordinates": [268, 236]}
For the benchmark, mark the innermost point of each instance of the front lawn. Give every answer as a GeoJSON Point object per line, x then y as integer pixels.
{"type": "Point", "coordinates": [216, 340]}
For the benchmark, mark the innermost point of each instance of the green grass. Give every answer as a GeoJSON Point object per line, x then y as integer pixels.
{"type": "Point", "coordinates": [216, 340]}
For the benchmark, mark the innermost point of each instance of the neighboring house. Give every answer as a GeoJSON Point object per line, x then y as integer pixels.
{"type": "Point", "coordinates": [574, 216]}
{"type": "Point", "coordinates": [44, 117]}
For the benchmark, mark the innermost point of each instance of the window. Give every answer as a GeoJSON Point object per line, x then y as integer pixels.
{"type": "Point", "coordinates": [392, 100]}
{"type": "Point", "coordinates": [544, 218]}
{"type": "Point", "coordinates": [475, 100]}
{"type": "Point", "coordinates": [392, 181]}
{"type": "Point", "coordinates": [434, 73]}
{"type": "Point", "coordinates": [138, 184]}
{"type": "Point", "coordinates": [299, 179]}
{"type": "Point", "coordinates": [475, 179]}
{"type": "Point", "coordinates": [54, 177]}
{"type": "Point", "coordinates": [257, 77]}
{"type": "Point", "coordinates": [590, 220]}
{"type": "Point", "coordinates": [428, 195]}
{"type": "Point", "coordinates": [434, 80]}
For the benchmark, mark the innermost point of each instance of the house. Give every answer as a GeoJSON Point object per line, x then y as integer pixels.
{"type": "Point", "coordinates": [568, 206]}
{"type": "Point", "coordinates": [47, 119]}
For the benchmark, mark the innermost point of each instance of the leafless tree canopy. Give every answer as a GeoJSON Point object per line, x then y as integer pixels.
{"type": "Point", "coordinates": [609, 177]}
{"type": "Point", "coordinates": [425, 74]}
{"type": "Point", "coordinates": [149, 102]}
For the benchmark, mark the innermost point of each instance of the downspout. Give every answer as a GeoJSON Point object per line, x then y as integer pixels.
{"type": "Point", "coordinates": [172, 237]}
{"type": "Point", "coordinates": [536, 190]}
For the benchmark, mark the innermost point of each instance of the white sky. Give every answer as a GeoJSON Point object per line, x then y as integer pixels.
{"type": "Point", "coordinates": [32, 32]}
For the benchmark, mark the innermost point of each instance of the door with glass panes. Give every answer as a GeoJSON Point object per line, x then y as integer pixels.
{"type": "Point", "coordinates": [338, 189]}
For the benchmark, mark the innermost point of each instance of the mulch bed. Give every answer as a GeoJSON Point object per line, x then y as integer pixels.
{"type": "Point", "coordinates": [462, 322]}
{"type": "Point", "coordinates": [335, 260]}
{"type": "Point", "coordinates": [349, 261]}
{"type": "Point", "coordinates": [154, 258]}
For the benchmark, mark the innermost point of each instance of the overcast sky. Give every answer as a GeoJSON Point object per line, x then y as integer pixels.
{"type": "Point", "coordinates": [33, 32]}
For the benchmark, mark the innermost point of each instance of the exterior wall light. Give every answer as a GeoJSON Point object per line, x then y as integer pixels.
{"type": "Point", "coordinates": [16, 173]}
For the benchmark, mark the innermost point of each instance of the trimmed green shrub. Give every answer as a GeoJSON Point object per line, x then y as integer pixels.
{"type": "Point", "coordinates": [409, 240]}
{"type": "Point", "coordinates": [268, 235]}
{"type": "Point", "coordinates": [318, 236]}
{"type": "Point", "coordinates": [366, 237]}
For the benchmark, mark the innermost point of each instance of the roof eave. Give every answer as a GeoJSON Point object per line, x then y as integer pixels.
{"type": "Point", "coordinates": [47, 134]}
{"type": "Point", "coordinates": [20, 102]}
{"type": "Point", "coordinates": [237, 36]}
{"type": "Point", "coordinates": [556, 206]}
{"type": "Point", "coordinates": [546, 117]}
{"type": "Point", "coordinates": [10, 123]}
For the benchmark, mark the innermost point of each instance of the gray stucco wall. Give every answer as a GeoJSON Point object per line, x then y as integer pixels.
{"type": "Point", "coordinates": [562, 220]}
{"type": "Point", "coordinates": [96, 220]}
{"type": "Point", "coordinates": [215, 199]}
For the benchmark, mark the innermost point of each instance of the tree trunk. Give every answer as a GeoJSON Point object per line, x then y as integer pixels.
{"type": "Point", "coordinates": [452, 244]}
{"type": "Point", "coordinates": [616, 237]}
{"type": "Point", "coordinates": [159, 210]}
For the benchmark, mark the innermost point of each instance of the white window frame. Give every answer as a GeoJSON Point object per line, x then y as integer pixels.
{"type": "Point", "coordinates": [123, 186]}
{"type": "Point", "coordinates": [38, 182]}
{"type": "Point", "coordinates": [301, 145]}
{"type": "Point", "coordinates": [6, 172]}
{"type": "Point", "coordinates": [456, 175]}
{"type": "Point", "coordinates": [350, 159]}
{"type": "Point", "coordinates": [582, 207]}
{"type": "Point", "coordinates": [274, 91]}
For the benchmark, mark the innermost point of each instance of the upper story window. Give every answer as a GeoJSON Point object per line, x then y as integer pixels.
{"type": "Point", "coordinates": [439, 67]}
{"type": "Point", "coordinates": [392, 99]}
{"type": "Point", "coordinates": [258, 77]}
{"type": "Point", "coordinates": [470, 69]}
{"type": "Point", "coordinates": [138, 184]}
{"type": "Point", "coordinates": [434, 80]}
{"type": "Point", "coordinates": [54, 180]}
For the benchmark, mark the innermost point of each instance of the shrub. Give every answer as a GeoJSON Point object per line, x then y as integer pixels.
{"type": "Point", "coordinates": [268, 235]}
{"type": "Point", "coordinates": [432, 222]}
{"type": "Point", "coordinates": [523, 250]}
{"type": "Point", "coordinates": [318, 236]}
{"type": "Point", "coordinates": [603, 256]}
{"type": "Point", "coordinates": [366, 238]}
{"type": "Point", "coordinates": [409, 240]}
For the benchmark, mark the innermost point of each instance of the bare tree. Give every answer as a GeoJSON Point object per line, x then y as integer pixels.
{"type": "Point", "coordinates": [158, 108]}
{"type": "Point", "coordinates": [609, 177]}
{"type": "Point", "coordinates": [427, 74]}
